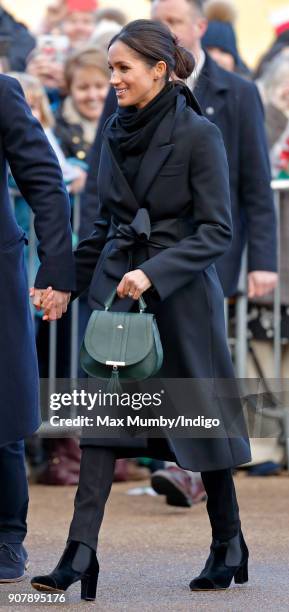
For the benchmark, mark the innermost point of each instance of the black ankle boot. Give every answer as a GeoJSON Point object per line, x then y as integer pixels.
{"type": "Point", "coordinates": [78, 562]}
{"type": "Point", "coordinates": [227, 560]}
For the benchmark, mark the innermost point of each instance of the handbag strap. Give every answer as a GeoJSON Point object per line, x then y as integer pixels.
{"type": "Point", "coordinates": [108, 303]}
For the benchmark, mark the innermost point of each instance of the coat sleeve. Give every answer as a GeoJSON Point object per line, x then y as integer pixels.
{"type": "Point", "coordinates": [89, 200]}
{"type": "Point", "coordinates": [255, 193]}
{"type": "Point", "coordinates": [176, 266]}
{"type": "Point", "coordinates": [38, 176]}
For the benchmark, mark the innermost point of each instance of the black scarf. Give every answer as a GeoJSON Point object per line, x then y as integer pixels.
{"type": "Point", "coordinates": [132, 129]}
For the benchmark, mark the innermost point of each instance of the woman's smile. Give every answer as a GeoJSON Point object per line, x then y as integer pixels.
{"type": "Point", "coordinates": [120, 92]}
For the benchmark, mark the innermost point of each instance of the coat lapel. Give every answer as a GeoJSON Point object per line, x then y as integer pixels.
{"type": "Point", "coordinates": [211, 88]}
{"type": "Point", "coordinates": [155, 157]}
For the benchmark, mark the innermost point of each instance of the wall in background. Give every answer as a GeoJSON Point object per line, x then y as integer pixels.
{"type": "Point", "coordinates": [254, 29]}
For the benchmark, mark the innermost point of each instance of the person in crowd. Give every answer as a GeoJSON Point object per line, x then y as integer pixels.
{"type": "Point", "coordinates": [52, 22]}
{"type": "Point", "coordinates": [280, 22]}
{"type": "Point", "coordinates": [74, 177]}
{"type": "Point", "coordinates": [275, 86]}
{"type": "Point", "coordinates": [110, 14]}
{"type": "Point", "coordinates": [50, 72]}
{"type": "Point", "coordinates": [234, 105]}
{"type": "Point", "coordinates": [79, 23]}
{"type": "Point", "coordinates": [16, 42]}
{"type": "Point", "coordinates": [87, 81]}
{"type": "Point", "coordinates": [109, 22]}
{"type": "Point", "coordinates": [36, 171]}
{"type": "Point", "coordinates": [220, 39]}
{"type": "Point", "coordinates": [158, 134]}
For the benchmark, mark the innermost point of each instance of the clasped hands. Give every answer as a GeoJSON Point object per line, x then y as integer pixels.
{"type": "Point", "coordinates": [54, 303]}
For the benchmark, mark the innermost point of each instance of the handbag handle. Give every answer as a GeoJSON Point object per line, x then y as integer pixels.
{"type": "Point", "coordinates": [108, 303]}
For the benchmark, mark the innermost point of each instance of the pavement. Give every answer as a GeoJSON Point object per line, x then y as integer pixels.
{"type": "Point", "coordinates": [149, 552]}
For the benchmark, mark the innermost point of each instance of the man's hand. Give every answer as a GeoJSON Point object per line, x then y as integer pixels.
{"type": "Point", "coordinates": [260, 283]}
{"type": "Point", "coordinates": [54, 303]}
{"type": "Point", "coordinates": [133, 284]}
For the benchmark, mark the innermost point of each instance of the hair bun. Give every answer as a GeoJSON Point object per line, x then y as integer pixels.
{"type": "Point", "coordinates": [185, 62]}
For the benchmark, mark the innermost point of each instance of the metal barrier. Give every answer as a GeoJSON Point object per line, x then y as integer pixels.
{"type": "Point", "coordinates": [240, 342]}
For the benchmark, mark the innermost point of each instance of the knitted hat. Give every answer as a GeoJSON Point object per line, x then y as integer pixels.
{"type": "Point", "coordinates": [220, 32]}
{"type": "Point", "coordinates": [82, 6]}
{"type": "Point", "coordinates": [280, 20]}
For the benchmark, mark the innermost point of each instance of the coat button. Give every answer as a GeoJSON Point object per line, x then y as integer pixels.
{"type": "Point", "coordinates": [210, 110]}
{"type": "Point", "coordinates": [81, 154]}
{"type": "Point", "coordinates": [76, 139]}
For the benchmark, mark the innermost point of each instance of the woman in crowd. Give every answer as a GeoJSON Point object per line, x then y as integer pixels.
{"type": "Point", "coordinates": [158, 138]}
{"type": "Point", "coordinates": [49, 69]}
{"type": "Point", "coordinates": [87, 81]}
{"type": "Point", "coordinates": [38, 101]}
{"type": "Point", "coordinates": [79, 22]}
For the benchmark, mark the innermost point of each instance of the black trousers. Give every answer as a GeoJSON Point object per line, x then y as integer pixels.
{"type": "Point", "coordinates": [14, 493]}
{"type": "Point", "coordinates": [96, 476]}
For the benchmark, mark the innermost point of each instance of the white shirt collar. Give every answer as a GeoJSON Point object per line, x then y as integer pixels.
{"type": "Point", "coordinates": [192, 79]}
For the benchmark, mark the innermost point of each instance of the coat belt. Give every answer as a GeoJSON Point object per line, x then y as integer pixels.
{"type": "Point", "coordinates": [141, 232]}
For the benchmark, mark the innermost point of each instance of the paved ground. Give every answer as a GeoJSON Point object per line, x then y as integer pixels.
{"type": "Point", "coordinates": [149, 551]}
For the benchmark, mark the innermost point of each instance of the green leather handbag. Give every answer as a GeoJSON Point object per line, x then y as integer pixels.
{"type": "Point", "coordinates": [121, 345]}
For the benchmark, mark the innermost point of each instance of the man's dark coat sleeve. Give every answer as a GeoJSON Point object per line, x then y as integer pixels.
{"type": "Point", "coordinates": [39, 178]}
{"type": "Point", "coordinates": [254, 184]}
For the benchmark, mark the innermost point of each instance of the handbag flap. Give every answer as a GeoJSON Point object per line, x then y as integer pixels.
{"type": "Point", "coordinates": [121, 337]}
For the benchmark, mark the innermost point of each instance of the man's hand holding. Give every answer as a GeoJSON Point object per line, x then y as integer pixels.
{"type": "Point", "coordinates": [54, 303]}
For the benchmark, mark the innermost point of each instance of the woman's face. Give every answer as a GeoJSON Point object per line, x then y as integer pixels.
{"type": "Point", "coordinates": [89, 89]}
{"type": "Point", "coordinates": [135, 83]}
{"type": "Point", "coordinates": [79, 27]}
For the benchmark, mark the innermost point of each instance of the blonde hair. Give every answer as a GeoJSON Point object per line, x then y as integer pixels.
{"type": "Point", "coordinates": [32, 87]}
{"type": "Point", "coordinates": [86, 57]}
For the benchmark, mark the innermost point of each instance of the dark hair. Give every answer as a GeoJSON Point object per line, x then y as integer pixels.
{"type": "Point", "coordinates": [154, 42]}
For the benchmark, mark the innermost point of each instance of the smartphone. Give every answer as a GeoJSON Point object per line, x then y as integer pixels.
{"type": "Point", "coordinates": [54, 47]}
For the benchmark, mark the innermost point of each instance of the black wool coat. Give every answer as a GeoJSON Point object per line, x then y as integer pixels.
{"type": "Point", "coordinates": [24, 146]}
{"type": "Point", "coordinates": [182, 181]}
{"type": "Point", "coordinates": [234, 105]}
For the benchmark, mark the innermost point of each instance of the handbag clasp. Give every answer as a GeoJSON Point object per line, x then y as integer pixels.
{"type": "Point", "coordinates": [115, 363]}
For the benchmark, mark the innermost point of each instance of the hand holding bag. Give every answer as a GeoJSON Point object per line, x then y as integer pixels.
{"type": "Point", "coordinates": [123, 345]}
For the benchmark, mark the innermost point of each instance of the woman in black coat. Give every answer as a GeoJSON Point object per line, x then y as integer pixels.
{"type": "Point", "coordinates": [164, 206]}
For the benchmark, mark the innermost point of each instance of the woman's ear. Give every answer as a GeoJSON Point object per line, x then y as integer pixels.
{"type": "Point", "coordinates": [160, 70]}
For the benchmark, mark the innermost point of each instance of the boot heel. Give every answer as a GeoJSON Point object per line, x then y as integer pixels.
{"type": "Point", "coordinates": [88, 587]}
{"type": "Point", "coordinates": [241, 574]}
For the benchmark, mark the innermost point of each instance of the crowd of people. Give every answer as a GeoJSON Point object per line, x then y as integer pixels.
{"type": "Point", "coordinates": [64, 73]}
